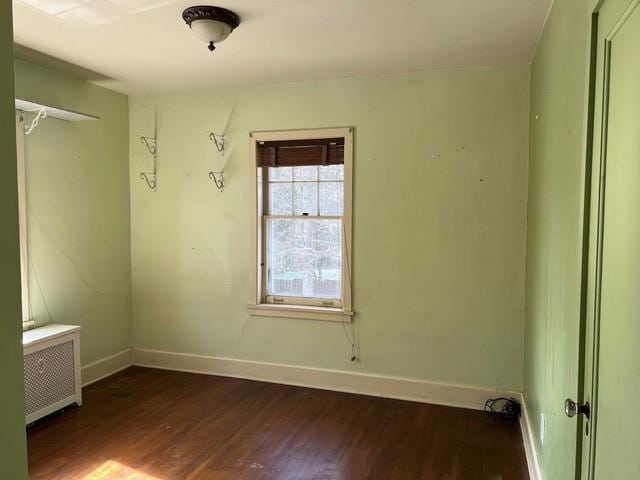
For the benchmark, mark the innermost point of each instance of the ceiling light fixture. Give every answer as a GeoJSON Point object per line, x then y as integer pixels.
{"type": "Point", "coordinates": [211, 24]}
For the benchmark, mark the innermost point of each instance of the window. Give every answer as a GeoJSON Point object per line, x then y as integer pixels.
{"type": "Point", "coordinates": [22, 215]}
{"type": "Point", "coordinates": [302, 224]}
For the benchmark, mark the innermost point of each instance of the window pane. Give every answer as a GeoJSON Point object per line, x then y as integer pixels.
{"type": "Point", "coordinates": [304, 258]}
{"type": "Point", "coordinates": [305, 173]}
{"type": "Point", "coordinates": [331, 195]}
{"type": "Point", "coordinates": [332, 172]}
{"type": "Point", "coordinates": [280, 174]}
{"type": "Point", "coordinates": [305, 198]}
{"type": "Point", "coordinates": [280, 198]}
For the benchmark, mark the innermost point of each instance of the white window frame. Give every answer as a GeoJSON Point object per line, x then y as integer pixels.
{"type": "Point", "coordinates": [259, 304]}
{"type": "Point", "coordinates": [22, 222]}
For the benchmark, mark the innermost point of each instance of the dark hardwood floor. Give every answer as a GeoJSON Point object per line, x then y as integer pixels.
{"type": "Point", "coordinates": [144, 424]}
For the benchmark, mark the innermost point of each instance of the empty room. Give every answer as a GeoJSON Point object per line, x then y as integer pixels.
{"type": "Point", "coordinates": [323, 240]}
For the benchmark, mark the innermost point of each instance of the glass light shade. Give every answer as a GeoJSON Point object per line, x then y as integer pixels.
{"type": "Point", "coordinates": [210, 30]}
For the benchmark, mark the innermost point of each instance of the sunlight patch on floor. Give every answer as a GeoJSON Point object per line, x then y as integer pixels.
{"type": "Point", "coordinates": [113, 470]}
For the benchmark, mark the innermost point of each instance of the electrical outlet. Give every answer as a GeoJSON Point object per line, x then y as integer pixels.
{"type": "Point", "coordinates": [543, 428]}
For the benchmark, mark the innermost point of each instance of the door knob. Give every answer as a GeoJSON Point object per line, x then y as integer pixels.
{"type": "Point", "coordinates": [572, 408]}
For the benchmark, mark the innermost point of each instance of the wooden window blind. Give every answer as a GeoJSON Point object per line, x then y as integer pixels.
{"type": "Point", "coordinates": [300, 153]}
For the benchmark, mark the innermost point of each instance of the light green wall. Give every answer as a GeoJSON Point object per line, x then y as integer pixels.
{"type": "Point", "coordinates": [78, 210]}
{"type": "Point", "coordinates": [439, 224]}
{"type": "Point", "coordinates": [556, 172]}
{"type": "Point", "coordinates": [13, 451]}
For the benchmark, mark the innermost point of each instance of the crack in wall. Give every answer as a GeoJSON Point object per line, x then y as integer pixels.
{"type": "Point", "coordinates": [71, 261]}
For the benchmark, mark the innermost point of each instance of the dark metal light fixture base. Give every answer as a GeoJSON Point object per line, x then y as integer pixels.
{"type": "Point", "coordinates": [207, 12]}
{"type": "Point", "coordinates": [202, 18]}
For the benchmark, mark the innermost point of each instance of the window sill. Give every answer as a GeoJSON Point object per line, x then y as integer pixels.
{"type": "Point", "coordinates": [303, 312]}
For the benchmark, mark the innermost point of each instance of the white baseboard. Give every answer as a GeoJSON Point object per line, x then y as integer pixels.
{"type": "Point", "coordinates": [339, 380]}
{"type": "Point", "coordinates": [529, 443]}
{"type": "Point", "coordinates": [105, 367]}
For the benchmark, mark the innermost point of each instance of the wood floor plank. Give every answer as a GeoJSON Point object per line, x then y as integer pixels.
{"type": "Point", "coordinates": [146, 424]}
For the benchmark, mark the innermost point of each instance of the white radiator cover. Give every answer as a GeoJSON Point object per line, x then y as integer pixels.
{"type": "Point", "coordinates": [51, 369]}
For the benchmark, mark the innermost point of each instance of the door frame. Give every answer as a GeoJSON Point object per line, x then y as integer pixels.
{"type": "Point", "coordinates": [592, 226]}
{"type": "Point", "coordinates": [586, 327]}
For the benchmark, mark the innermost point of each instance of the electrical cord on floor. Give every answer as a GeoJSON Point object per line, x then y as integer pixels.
{"type": "Point", "coordinates": [508, 408]}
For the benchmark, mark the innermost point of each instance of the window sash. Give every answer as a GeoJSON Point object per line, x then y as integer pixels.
{"type": "Point", "coordinates": [303, 217]}
{"type": "Point", "coordinates": [268, 182]}
{"type": "Point", "coordinates": [303, 301]}
{"type": "Point", "coordinates": [295, 300]}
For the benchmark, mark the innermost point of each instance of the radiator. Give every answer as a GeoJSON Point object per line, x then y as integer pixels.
{"type": "Point", "coordinates": [51, 369]}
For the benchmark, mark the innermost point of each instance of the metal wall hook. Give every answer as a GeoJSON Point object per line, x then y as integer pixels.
{"type": "Point", "coordinates": [151, 179]}
{"type": "Point", "coordinates": [219, 141]}
{"type": "Point", "coordinates": [218, 179]}
{"type": "Point", "coordinates": [151, 144]}
{"type": "Point", "coordinates": [42, 113]}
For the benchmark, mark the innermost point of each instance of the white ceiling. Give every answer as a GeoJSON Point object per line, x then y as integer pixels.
{"type": "Point", "coordinates": [144, 45]}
